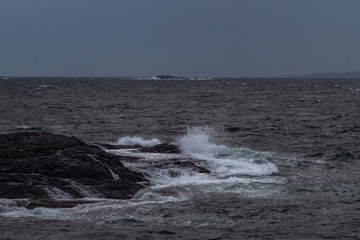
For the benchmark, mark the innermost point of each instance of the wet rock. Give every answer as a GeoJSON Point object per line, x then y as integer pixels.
{"type": "Point", "coordinates": [181, 164]}
{"type": "Point", "coordinates": [173, 163]}
{"type": "Point", "coordinates": [192, 165]}
{"type": "Point", "coordinates": [161, 148]}
{"type": "Point", "coordinates": [110, 146]}
{"type": "Point", "coordinates": [54, 167]}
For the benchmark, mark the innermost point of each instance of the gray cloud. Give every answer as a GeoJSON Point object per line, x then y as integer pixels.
{"type": "Point", "coordinates": [185, 38]}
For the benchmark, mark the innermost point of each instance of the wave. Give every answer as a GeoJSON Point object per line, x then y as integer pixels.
{"type": "Point", "coordinates": [224, 160]}
{"type": "Point", "coordinates": [203, 166]}
{"type": "Point", "coordinates": [137, 141]}
{"type": "Point", "coordinates": [24, 127]}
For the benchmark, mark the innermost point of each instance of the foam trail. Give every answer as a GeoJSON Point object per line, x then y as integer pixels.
{"type": "Point", "coordinates": [114, 175]}
{"type": "Point", "coordinates": [132, 141]}
{"type": "Point", "coordinates": [49, 213]}
{"type": "Point", "coordinates": [56, 193]}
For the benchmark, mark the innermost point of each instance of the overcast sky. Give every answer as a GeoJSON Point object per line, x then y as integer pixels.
{"type": "Point", "coordinates": [179, 37]}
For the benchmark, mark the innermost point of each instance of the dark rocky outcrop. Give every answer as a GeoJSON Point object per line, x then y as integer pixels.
{"type": "Point", "coordinates": [161, 148]}
{"type": "Point", "coordinates": [110, 146]}
{"type": "Point", "coordinates": [172, 163]}
{"type": "Point", "coordinates": [199, 167]}
{"type": "Point", "coordinates": [48, 169]}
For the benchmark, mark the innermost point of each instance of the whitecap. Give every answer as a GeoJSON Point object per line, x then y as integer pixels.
{"type": "Point", "coordinates": [133, 141]}
{"type": "Point", "coordinates": [41, 212]}
{"type": "Point", "coordinates": [228, 169]}
{"type": "Point", "coordinates": [23, 127]}
{"type": "Point", "coordinates": [224, 161]}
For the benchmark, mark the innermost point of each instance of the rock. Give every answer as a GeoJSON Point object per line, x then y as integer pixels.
{"type": "Point", "coordinates": [110, 146]}
{"type": "Point", "coordinates": [200, 167]}
{"type": "Point", "coordinates": [181, 163]}
{"type": "Point", "coordinates": [165, 77]}
{"type": "Point", "coordinates": [161, 148]}
{"type": "Point", "coordinates": [48, 168]}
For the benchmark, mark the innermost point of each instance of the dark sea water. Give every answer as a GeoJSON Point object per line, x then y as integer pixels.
{"type": "Point", "coordinates": [283, 156]}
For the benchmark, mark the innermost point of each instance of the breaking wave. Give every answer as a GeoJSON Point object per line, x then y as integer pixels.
{"type": "Point", "coordinates": [202, 166]}
{"type": "Point", "coordinates": [137, 141]}
{"type": "Point", "coordinates": [224, 160]}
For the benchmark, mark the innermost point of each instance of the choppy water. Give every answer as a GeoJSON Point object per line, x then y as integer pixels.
{"type": "Point", "coordinates": [270, 174]}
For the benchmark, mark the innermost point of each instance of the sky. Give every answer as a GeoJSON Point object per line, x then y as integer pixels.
{"type": "Point", "coordinates": [215, 38]}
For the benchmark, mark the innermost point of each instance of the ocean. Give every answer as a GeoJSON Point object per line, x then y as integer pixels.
{"type": "Point", "coordinates": [278, 158]}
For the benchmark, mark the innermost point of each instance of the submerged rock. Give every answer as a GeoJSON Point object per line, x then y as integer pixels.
{"type": "Point", "coordinates": [51, 168]}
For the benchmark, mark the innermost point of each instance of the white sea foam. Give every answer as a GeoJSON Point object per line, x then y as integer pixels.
{"type": "Point", "coordinates": [174, 177]}
{"type": "Point", "coordinates": [201, 78]}
{"type": "Point", "coordinates": [85, 191]}
{"type": "Point", "coordinates": [41, 212]}
{"type": "Point", "coordinates": [23, 127]}
{"type": "Point", "coordinates": [113, 174]}
{"type": "Point", "coordinates": [224, 160]}
{"type": "Point", "coordinates": [56, 193]}
{"type": "Point", "coordinates": [132, 141]}
{"type": "Point", "coordinates": [231, 169]}
{"type": "Point", "coordinates": [196, 142]}
{"type": "Point", "coordinates": [154, 197]}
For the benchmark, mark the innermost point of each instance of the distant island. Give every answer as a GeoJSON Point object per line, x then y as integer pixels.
{"type": "Point", "coordinates": [165, 77]}
{"type": "Point", "coordinates": [355, 75]}
{"type": "Point", "coordinates": [324, 75]}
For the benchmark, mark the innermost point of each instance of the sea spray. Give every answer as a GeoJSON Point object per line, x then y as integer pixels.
{"type": "Point", "coordinates": [137, 141]}
{"type": "Point", "coordinates": [227, 169]}
{"type": "Point", "coordinates": [224, 161]}
{"type": "Point", "coordinates": [197, 142]}
{"type": "Point", "coordinates": [175, 177]}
